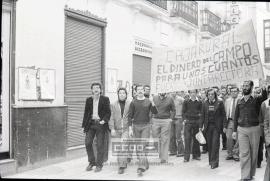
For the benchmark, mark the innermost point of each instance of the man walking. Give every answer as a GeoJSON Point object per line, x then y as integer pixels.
{"type": "Point", "coordinates": [139, 123]}
{"type": "Point", "coordinates": [177, 145]}
{"type": "Point", "coordinates": [246, 123]}
{"type": "Point", "coordinates": [162, 123]}
{"type": "Point", "coordinates": [212, 121]}
{"type": "Point", "coordinates": [119, 125]}
{"type": "Point", "coordinates": [265, 118]}
{"type": "Point", "coordinates": [230, 105]}
{"type": "Point", "coordinates": [191, 114]}
{"type": "Point", "coordinates": [95, 122]}
{"type": "Point", "coordinates": [224, 96]}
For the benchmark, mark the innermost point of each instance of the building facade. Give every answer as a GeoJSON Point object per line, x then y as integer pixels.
{"type": "Point", "coordinates": [54, 50]}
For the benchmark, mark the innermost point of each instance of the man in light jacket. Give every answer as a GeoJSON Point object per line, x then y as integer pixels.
{"type": "Point", "coordinates": [118, 125]}
{"type": "Point", "coordinates": [230, 105]}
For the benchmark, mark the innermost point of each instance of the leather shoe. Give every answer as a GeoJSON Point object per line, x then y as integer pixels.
{"type": "Point", "coordinates": [121, 170]}
{"type": "Point", "coordinates": [89, 167]}
{"type": "Point", "coordinates": [196, 158]}
{"type": "Point", "coordinates": [171, 154]}
{"type": "Point", "coordinates": [214, 166]}
{"type": "Point", "coordinates": [186, 160]}
{"type": "Point", "coordinates": [229, 158]}
{"type": "Point", "coordinates": [98, 169]}
{"type": "Point", "coordinates": [236, 159]}
{"type": "Point", "coordinates": [204, 152]}
{"type": "Point", "coordinates": [179, 155]}
{"type": "Point", "coordinates": [140, 171]}
{"type": "Point", "coordinates": [224, 148]}
{"type": "Point", "coordinates": [163, 161]}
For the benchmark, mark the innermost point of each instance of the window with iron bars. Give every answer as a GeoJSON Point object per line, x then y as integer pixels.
{"type": "Point", "coordinates": [267, 41]}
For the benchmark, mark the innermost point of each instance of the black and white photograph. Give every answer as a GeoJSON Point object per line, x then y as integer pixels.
{"type": "Point", "coordinates": [135, 90]}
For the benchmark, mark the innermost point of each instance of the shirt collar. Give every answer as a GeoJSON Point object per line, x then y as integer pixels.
{"type": "Point", "coordinates": [243, 98]}
{"type": "Point", "coordinates": [196, 99]}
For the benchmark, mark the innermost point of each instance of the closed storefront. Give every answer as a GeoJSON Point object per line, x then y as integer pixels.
{"type": "Point", "coordinates": [142, 56]}
{"type": "Point", "coordinates": [141, 70]}
{"type": "Point", "coordinates": [83, 66]}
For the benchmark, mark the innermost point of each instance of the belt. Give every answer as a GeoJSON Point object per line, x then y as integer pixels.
{"type": "Point", "coordinates": [96, 121]}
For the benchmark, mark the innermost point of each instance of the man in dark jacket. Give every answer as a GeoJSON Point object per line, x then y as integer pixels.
{"type": "Point", "coordinates": [212, 121]}
{"type": "Point", "coordinates": [246, 123]}
{"type": "Point", "coordinates": [95, 122]}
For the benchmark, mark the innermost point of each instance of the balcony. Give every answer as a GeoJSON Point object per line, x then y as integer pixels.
{"type": "Point", "coordinates": [187, 10]}
{"type": "Point", "coordinates": [225, 26]}
{"type": "Point", "coordinates": [210, 23]}
{"type": "Point", "coordinates": [160, 3]}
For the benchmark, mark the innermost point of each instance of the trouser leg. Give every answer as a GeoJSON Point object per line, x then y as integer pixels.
{"type": "Point", "coordinates": [245, 152]}
{"type": "Point", "coordinates": [187, 138]}
{"type": "Point", "coordinates": [165, 138]}
{"type": "Point", "coordinates": [224, 140]}
{"type": "Point", "coordinates": [89, 137]}
{"type": "Point", "coordinates": [100, 135]}
{"type": "Point", "coordinates": [173, 146]}
{"type": "Point", "coordinates": [178, 135]}
{"type": "Point", "coordinates": [215, 147]}
{"type": "Point", "coordinates": [196, 152]}
{"type": "Point", "coordinates": [156, 132]}
{"type": "Point", "coordinates": [254, 137]}
{"type": "Point", "coordinates": [267, 169]}
{"type": "Point", "coordinates": [209, 140]}
{"type": "Point", "coordinates": [260, 151]}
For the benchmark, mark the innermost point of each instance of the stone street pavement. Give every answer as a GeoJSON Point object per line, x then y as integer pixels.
{"type": "Point", "coordinates": [176, 169]}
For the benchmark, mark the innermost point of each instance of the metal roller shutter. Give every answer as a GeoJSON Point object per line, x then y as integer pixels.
{"type": "Point", "coordinates": [141, 70]}
{"type": "Point", "coordinates": [83, 54]}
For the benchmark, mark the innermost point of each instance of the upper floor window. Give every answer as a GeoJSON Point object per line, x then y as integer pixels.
{"type": "Point", "coordinates": [267, 40]}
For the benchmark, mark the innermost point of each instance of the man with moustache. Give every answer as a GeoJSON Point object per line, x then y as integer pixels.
{"type": "Point", "coordinates": [265, 120]}
{"type": "Point", "coordinates": [97, 114]}
{"type": "Point", "coordinates": [246, 123]}
{"type": "Point", "coordinates": [162, 123]}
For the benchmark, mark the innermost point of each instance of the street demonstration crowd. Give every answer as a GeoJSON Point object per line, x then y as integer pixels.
{"type": "Point", "coordinates": [241, 116]}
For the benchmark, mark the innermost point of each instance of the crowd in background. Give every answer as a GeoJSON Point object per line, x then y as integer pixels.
{"type": "Point", "coordinates": [236, 116]}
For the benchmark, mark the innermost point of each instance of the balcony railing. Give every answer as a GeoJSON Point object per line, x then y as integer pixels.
{"type": "Point", "coordinates": [185, 9]}
{"type": "Point", "coordinates": [160, 3]}
{"type": "Point", "coordinates": [210, 22]}
{"type": "Point", "coordinates": [225, 26]}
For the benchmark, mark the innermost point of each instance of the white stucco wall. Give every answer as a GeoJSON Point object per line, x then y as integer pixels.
{"type": "Point", "coordinates": [40, 37]}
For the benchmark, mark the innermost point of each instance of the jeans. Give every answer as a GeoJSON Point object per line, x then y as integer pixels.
{"type": "Point", "coordinates": [190, 131]}
{"type": "Point", "coordinates": [142, 131]}
{"type": "Point", "coordinates": [176, 140]}
{"type": "Point", "coordinates": [98, 131]}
